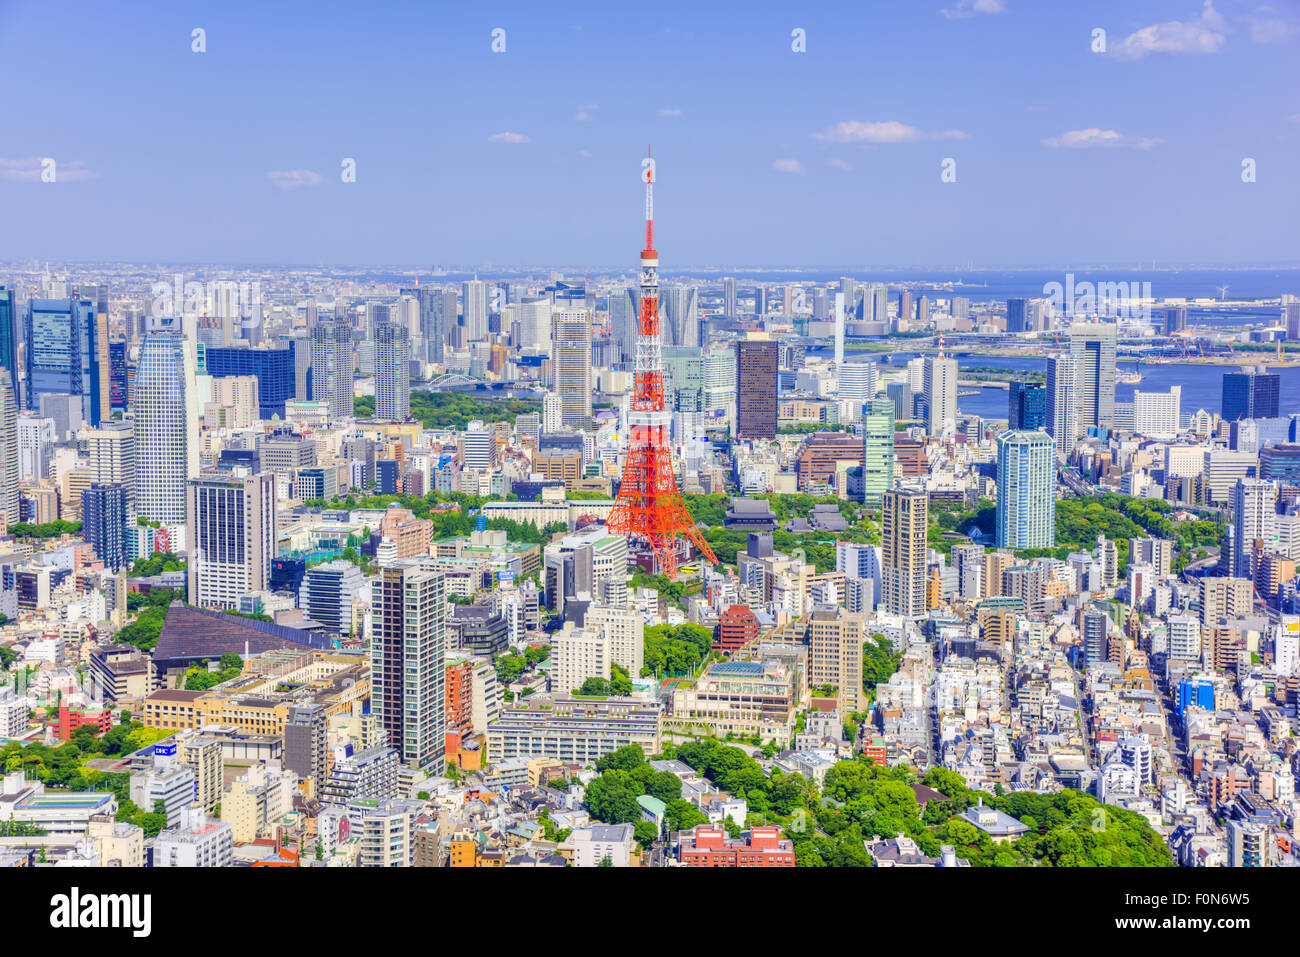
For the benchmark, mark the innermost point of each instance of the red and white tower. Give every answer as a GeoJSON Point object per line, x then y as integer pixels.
{"type": "Point", "coordinates": [649, 506]}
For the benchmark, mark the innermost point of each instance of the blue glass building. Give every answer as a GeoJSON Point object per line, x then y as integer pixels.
{"type": "Point", "coordinates": [273, 368]}
{"type": "Point", "coordinates": [8, 339]}
{"type": "Point", "coordinates": [1027, 406]}
{"type": "Point", "coordinates": [63, 354]}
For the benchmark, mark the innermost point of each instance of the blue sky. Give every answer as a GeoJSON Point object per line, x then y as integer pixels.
{"type": "Point", "coordinates": [765, 157]}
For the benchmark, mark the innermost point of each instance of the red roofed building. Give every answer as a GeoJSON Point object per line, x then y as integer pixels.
{"type": "Point", "coordinates": [708, 846]}
{"type": "Point", "coordinates": [736, 626]}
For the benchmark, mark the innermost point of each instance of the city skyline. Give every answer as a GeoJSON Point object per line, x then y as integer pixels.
{"type": "Point", "coordinates": [823, 142]}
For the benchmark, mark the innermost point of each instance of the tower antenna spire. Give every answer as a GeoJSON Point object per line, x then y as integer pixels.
{"type": "Point", "coordinates": [649, 507]}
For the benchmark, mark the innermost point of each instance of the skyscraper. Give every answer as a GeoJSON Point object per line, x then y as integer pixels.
{"type": "Point", "coordinates": [9, 339]}
{"type": "Point", "coordinates": [729, 297]}
{"type": "Point", "coordinates": [573, 371]}
{"type": "Point", "coordinates": [1250, 394]}
{"type": "Point", "coordinates": [877, 449]}
{"type": "Point", "coordinates": [111, 449]}
{"type": "Point", "coordinates": [941, 394]}
{"type": "Point", "coordinates": [117, 376]}
{"type": "Point", "coordinates": [1175, 319]}
{"type": "Point", "coordinates": [756, 406]}
{"type": "Point", "coordinates": [232, 524]}
{"type": "Point", "coordinates": [1026, 405]}
{"type": "Point", "coordinates": [1254, 518]}
{"type": "Point", "coordinates": [104, 517]}
{"type": "Point", "coordinates": [274, 369]}
{"type": "Point", "coordinates": [879, 307]}
{"type": "Point", "coordinates": [474, 294]}
{"type": "Point", "coordinates": [681, 309]}
{"type": "Point", "coordinates": [1291, 317]}
{"type": "Point", "coordinates": [905, 309]}
{"type": "Point", "coordinates": [903, 550]}
{"type": "Point", "coordinates": [392, 372]}
{"type": "Point", "coordinates": [63, 354]}
{"type": "Point", "coordinates": [407, 652]}
{"type": "Point", "coordinates": [433, 334]}
{"type": "Point", "coordinates": [9, 511]}
{"type": "Point", "coordinates": [1061, 415]}
{"type": "Point", "coordinates": [1093, 347]}
{"type": "Point", "coordinates": [166, 429]}
{"type": "Point", "coordinates": [1026, 510]}
{"type": "Point", "coordinates": [331, 366]}
{"type": "Point", "coordinates": [1018, 315]}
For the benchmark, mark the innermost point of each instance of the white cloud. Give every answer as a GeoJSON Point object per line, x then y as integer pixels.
{"type": "Point", "coordinates": [508, 137]}
{"type": "Point", "coordinates": [29, 170]}
{"type": "Point", "coordinates": [1095, 138]}
{"type": "Point", "coordinates": [1206, 33]}
{"type": "Point", "coordinates": [585, 154]}
{"type": "Point", "coordinates": [788, 166]}
{"type": "Point", "coordinates": [670, 113]}
{"type": "Point", "coordinates": [294, 178]}
{"type": "Point", "coordinates": [968, 8]}
{"type": "Point", "coordinates": [582, 116]}
{"type": "Point", "coordinates": [838, 163]}
{"type": "Point", "coordinates": [1272, 29]}
{"type": "Point", "coordinates": [889, 131]}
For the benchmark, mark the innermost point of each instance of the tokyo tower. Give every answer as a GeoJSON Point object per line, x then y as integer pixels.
{"type": "Point", "coordinates": [649, 506]}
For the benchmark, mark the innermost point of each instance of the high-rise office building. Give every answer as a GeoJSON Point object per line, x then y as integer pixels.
{"type": "Point", "coordinates": [9, 339]}
{"type": "Point", "coordinates": [760, 301]}
{"type": "Point", "coordinates": [1250, 395]}
{"type": "Point", "coordinates": [273, 368]}
{"type": "Point", "coordinates": [433, 332]}
{"type": "Point", "coordinates": [941, 395]}
{"type": "Point", "coordinates": [905, 309]}
{"type": "Point", "coordinates": [9, 499]}
{"type": "Point", "coordinates": [62, 338]}
{"type": "Point", "coordinates": [1061, 414]}
{"type": "Point", "coordinates": [623, 306]}
{"type": "Point", "coordinates": [1093, 347]}
{"type": "Point", "coordinates": [232, 527]}
{"type": "Point", "coordinates": [857, 382]}
{"type": "Point", "coordinates": [118, 376]}
{"type": "Point", "coordinates": [392, 372]}
{"type": "Point", "coordinates": [877, 449]}
{"type": "Point", "coordinates": [112, 454]}
{"type": "Point", "coordinates": [407, 662]}
{"type": "Point", "coordinates": [104, 518]}
{"type": "Point", "coordinates": [756, 390]}
{"type": "Point", "coordinates": [1026, 510]}
{"type": "Point", "coordinates": [166, 428]}
{"type": "Point", "coordinates": [1175, 319]}
{"type": "Point", "coordinates": [475, 296]}
{"type": "Point", "coordinates": [729, 297]}
{"type": "Point", "coordinates": [903, 550]}
{"type": "Point", "coordinates": [332, 366]}
{"type": "Point", "coordinates": [681, 310]}
{"type": "Point", "coordinates": [327, 593]}
{"type": "Point", "coordinates": [573, 370]}
{"type": "Point", "coordinates": [1157, 414]}
{"type": "Point", "coordinates": [1026, 405]}
{"type": "Point", "coordinates": [1291, 317]}
{"type": "Point", "coordinates": [1018, 316]}
{"type": "Point", "coordinates": [879, 309]}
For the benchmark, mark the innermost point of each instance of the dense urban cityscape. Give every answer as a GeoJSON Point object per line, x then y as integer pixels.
{"type": "Point", "coordinates": [367, 564]}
